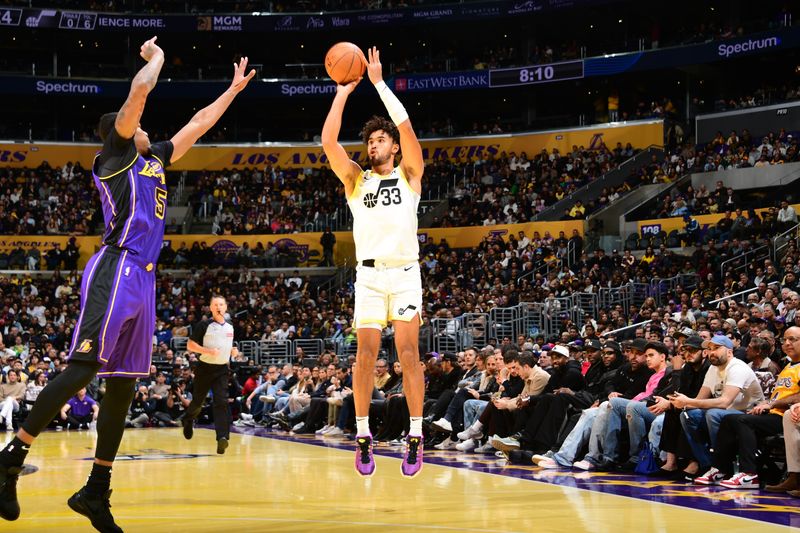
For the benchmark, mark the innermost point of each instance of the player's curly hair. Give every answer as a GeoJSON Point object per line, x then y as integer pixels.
{"type": "Point", "coordinates": [380, 123]}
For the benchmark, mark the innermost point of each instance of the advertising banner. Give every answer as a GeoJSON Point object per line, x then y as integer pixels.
{"type": "Point", "coordinates": [118, 89]}
{"type": "Point", "coordinates": [86, 21]}
{"type": "Point", "coordinates": [771, 42]}
{"type": "Point", "coordinates": [310, 155]}
{"type": "Point", "coordinates": [443, 81]}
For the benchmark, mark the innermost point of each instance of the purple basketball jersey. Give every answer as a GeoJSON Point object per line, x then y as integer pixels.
{"type": "Point", "coordinates": [135, 206]}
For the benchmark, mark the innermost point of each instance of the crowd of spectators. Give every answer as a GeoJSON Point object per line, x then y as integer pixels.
{"type": "Point", "coordinates": [47, 201]}
{"type": "Point", "coordinates": [38, 316]}
{"type": "Point", "coordinates": [765, 94]}
{"type": "Point", "coordinates": [744, 151]}
{"type": "Point", "coordinates": [514, 188]}
{"type": "Point", "coordinates": [739, 217]}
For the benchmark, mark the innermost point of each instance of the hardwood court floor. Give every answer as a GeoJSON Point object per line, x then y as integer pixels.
{"type": "Point", "coordinates": [163, 483]}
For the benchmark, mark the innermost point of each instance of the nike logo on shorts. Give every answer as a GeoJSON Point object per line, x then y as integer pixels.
{"type": "Point", "coordinates": [409, 268]}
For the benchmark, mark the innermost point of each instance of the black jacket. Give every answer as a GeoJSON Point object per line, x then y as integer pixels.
{"type": "Point", "coordinates": [690, 380]}
{"type": "Point", "coordinates": [512, 387]}
{"type": "Point", "coordinates": [492, 387]}
{"type": "Point", "coordinates": [597, 376]}
{"type": "Point", "coordinates": [666, 385]}
{"type": "Point", "coordinates": [441, 383]}
{"type": "Point", "coordinates": [626, 382]}
{"type": "Point", "coordinates": [568, 376]}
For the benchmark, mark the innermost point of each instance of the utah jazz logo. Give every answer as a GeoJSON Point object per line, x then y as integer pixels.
{"type": "Point", "coordinates": [85, 346]}
{"type": "Point", "coordinates": [370, 199]}
{"type": "Point", "coordinates": [388, 194]}
{"type": "Point", "coordinates": [153, 169]}
{"type": "Point", "coordinates": [402, 310]}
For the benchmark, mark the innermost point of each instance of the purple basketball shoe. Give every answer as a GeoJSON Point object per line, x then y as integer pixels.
{"type": "Point", "coordinates": [365, 462]}
{"type": "Point", "coordinates": [412, 457]}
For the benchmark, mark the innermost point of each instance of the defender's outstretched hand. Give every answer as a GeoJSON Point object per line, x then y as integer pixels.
{"type": "Point", "coordinates": [150, 49]}
{"type": "Point", "coordinates": [240, 81]}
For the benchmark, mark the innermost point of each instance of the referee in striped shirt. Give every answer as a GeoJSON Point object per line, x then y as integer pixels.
{"type": "Point", "coordinates": [213, 341]}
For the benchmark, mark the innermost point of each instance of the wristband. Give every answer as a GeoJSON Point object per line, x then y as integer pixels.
{"type": "Point", "coordinates": [397, 112]}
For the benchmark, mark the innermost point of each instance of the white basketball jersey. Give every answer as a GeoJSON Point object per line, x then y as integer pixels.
{"type": "Point", "coordinates": [384, 217]}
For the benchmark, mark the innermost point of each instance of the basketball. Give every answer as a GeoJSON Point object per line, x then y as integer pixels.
{"type": "Point", "coordinates": [345, 62]}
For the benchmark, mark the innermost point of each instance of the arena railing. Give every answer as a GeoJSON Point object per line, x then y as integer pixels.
{"type": "Point", "coordinates": [615, 331]}
{"type": "Point", "coordinates": [504, 322]}
{"type": "Point", "coordinates": [661, 288]}
{"type": "Point", "coordinates": [732, 296]}
{"type": "Point", "coordinates": [310, 347]}
{"type": "Point", "coordinates": [448, 334]}
{"type": "Point", "coordinates": [782, 241]}
{"type": "Point", "coordinates": [741, 261]}
{"type": "Point", "coordinates": [249, 349]}
{"type": "Point", "coordinates": [610, 297]}
{"type": "Point", "coordinates": [271, 352]}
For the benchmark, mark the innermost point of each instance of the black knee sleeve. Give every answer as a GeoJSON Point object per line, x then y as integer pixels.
{"type": "Point", "coordinates": [53, 397]}
{"type": "Point", "coordinates": [111, 420]}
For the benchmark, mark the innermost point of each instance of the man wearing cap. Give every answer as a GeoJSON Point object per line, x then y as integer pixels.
{"type": "Point", "coordinates": [690, 364]}
{"type": "Point", "coordinates": [542, 426]}
{"type": "Point", "coordinates": [643, 410]}
{"type": "Point", "coordinates": [603, 441]}
{"type": "Point", "coordinates": [681, 335]}
{"type": "Point", "coordinates": [739, 433]}
{"type": "Point", "coordinates": [629, 380]}
{"type": "Point", "coordinates": [730, 387]}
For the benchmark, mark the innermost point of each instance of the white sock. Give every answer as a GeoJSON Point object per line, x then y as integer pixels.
{"type": "Point", "coordinates": [416, 426]}
{"type": "Point", "coordinates": [478, 425]}
{"type": "Point", "coordinates": [362, 426]}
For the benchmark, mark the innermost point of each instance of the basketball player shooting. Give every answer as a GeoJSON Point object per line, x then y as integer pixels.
{"type": "Point", "coordinates": [388, 287]}
{"type": "Point", "coordinates": [113, 335]}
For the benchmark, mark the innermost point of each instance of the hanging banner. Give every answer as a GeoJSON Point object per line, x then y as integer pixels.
{"type": "Point", "coordinates": [308, 155]}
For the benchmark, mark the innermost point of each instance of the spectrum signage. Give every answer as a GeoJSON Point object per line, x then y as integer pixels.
{"type": "Point", "coordinates": [750, 45]}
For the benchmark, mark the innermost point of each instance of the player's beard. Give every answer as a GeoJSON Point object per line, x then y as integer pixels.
{"type": "Point", "coordinates": [379, 159]}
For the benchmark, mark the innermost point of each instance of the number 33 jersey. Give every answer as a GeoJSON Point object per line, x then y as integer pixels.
{"type": "Point", "coordinates": [384, 218]}
{"type": "Point", "coordinates": [133, 192]}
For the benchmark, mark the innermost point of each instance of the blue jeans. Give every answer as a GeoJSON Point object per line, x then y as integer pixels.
{"type": "Point", "coordinates": [282, 403]}
{"type": "Point", "coordinates": [654, 436]}
{"type": "Point", "coordinates": [701, 427]}
{"type": "Point", "coordinates": [473, 410]}
{"type": "Point", "coordinates": [639, 420]}
{"type": "Point", "coordinates": [576, 438]}
{"type": "Point", "coordinates": [597, 438]}
{"type": "Point", "coordinates": [617, 408]}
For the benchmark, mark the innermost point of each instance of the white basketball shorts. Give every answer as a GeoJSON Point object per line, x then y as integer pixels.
{"type": "Point", "coordinates": [387, 293]}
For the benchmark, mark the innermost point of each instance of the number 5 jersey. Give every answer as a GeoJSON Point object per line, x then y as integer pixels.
{"type": "Point", "coordinates": [133, 192]}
